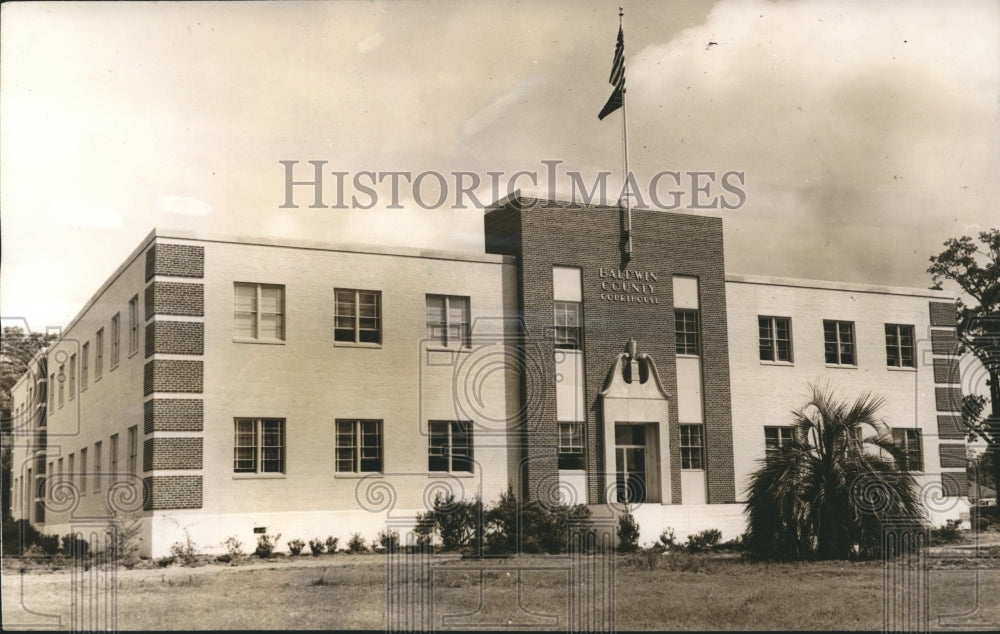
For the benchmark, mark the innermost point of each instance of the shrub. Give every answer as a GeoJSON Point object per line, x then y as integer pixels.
{"type": "Point", "coordinates": [331, 544]}
{"type": "Point", "coordinates": [266, 545]}
{"type": "Point", "coordinates": [316, 546]}
{"type": "Point", "coordinates": [49, 544]}
{"type": "Point", "coordinates": [295, 546]}
{"type": "Point", "coordinates": [668, 539]}
{"type": "Point", "coordinates": [628, 533]}
{"type": "Point", "coordinates": [424, 530]}
{"type": "Point", "coordinates": [75, 546]}
{"type": "Point", "coordinates": [947, 533]}
{"type": "Point", "coordinates": [185, 551]}
{"type": "Point", "coordinates": [18, 535]}
{"type": "Point", "coordinates": [387, 541]}
{"type": "Point", "coordinates": [234, 551]}
{"type": "Point", "coordinates": [357, 544]}
{"type": "Point", "coordinates": [705, 540]}
{"type": "Point", "coordinates": [124, 535]}
{"type": "Point", "coordinates": [163, 562]}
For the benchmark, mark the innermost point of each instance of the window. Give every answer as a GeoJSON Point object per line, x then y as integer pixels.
{"type": "Point", "coordinates": [357, 316]}
{"type": "Point", "coordinates": [567, 325]}
{"type": "Point", "coordinates": [571, 445]}
{"type": "Point", "coordinates": [260, 311]}
{"type": "Point", "coordinates": [115, 339]}
{"type": "Point", "coordinates": [52, 390]}
{"type": "Point", "coordinates": [133, 449]}
{"type": "Point", "coordinates": [84, 366]}
{"type": "Point", "coordinates": [777, 437]}
{"type": "Point", "coordinates": [908, 440]}
{"type": "Point", "coordinates": [838, 337]}
{"type": "Point", "coordinates": [99, 354]}
{"type": "Point", "coordinates": [133, 325]}
{"type": "Point", "coordinates": [692, 447]}
{"type": "Point", "coordinates": [83, 472]}
{"type": "Point", "coordinates": [450, 446]}
{"type": "Point", "coordinates": [113, 449]}
{"type": "Point", "coordinates": [359, 446]}
{"type": "Point", "coordinates": [72, 469]}
{"type": "Point", "coordinates": [62, 384]}
{"type": "Point", "coordinates": [59, 470]}
{"type": "Point", "coordinates": [899, 346]}
{"type": "Point", "coordinates": [97, 466]}
{"type": "Point", "coordinates": [448, 320]}
{"type": "Point", "coordinates": [686, 325]}
{"type": "Point", "coordinates": [775, 338]}
{"type": "Point", "coordinates": [72, 376]}
{"type": "Point", "coordinates": [259, 446]}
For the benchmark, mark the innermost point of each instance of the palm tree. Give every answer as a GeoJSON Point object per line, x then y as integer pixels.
{"type": "Point", "coordinates": [827, 493]}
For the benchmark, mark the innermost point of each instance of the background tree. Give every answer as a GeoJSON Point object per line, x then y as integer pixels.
{"type": "Point", "coordinates": [975, 267]}
{"type": "Point", "coordinates": [16, 350]}
{"type": "Point", "coordinates": [826, 493]}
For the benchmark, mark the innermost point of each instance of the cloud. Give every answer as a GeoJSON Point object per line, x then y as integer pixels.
{"type": "Point", "coordinates": [85, 216]}
{"type": "Point", "coordinates": [488, 114]}
{"type": "Point", "coordinates": [184, 206]}
{"type": "Point", "coordinates": [371, 42]}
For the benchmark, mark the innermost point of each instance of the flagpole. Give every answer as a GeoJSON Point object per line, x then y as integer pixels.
{"type": "Point", "coordinates": [626, 194]}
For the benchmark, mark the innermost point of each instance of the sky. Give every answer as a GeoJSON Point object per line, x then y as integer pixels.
{"type": "Point", "coordinates": [866, 133]}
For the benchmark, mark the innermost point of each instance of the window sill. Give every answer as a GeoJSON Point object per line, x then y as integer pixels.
{"type": "Point", "coordinates": [133, 353]}
{"type": "Point", "coordinates": [440, 348]}
{"type": "Point", "coordinates": [692, 470]}
{"type": "Point", "coordinates": [450, 474]}
{"type": "Point", "coordinates": [266, 342]}
{"type": "Point", "coordinates": [360, 344]}
{"type": "Point", "coordinates": [786, 364]}
{"type": "Point", "coordinates": [687, 356]}
{"type": "Point", "coordinates": [343, 475]}
{"type": "Point", "coordinates": [841, 366]}
{"type": "Point", "coordinates": [258, 476]}
{"type": "Point", "coordinates": [893, 368]}
{"type": "Point", "coordinates": [574, 471]}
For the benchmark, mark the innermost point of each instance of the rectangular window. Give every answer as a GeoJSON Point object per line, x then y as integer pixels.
{"type": "Point", "coordinates": [52, 390]}
{"type": "Point", "coordinates": [838, 337]}
{"type": "Point", "coordinates": [98, 460]}
{"type": "Point", "coordinates": [692, 447]}
{"type": "Point", "coordinates": [775, 338]}
{"type": "Point", "coordinates": [48, 483]}
{"type": "Point", "coordinates": [99, 354]}
{"type": "Point", "coordinates": [113, 450]}
{"type": "Point", "coordinates": [571, 445]}
{"type": "Point", "coordinates": [84, 366]}
{"type": "Point", "coordinates": [59, 472]}
{"type": "Point", "coordinates": [777, 437]}
{"type": "Point", "coordinates": [72, 376]}
{"type": "Point", "coordinates": [359, 446]}
{"type": "Point", "coordinates": [450, 446]}
{"type": "Point", "coordinates": [116, 339]}
{"type": "Point", "coordinates": [448, 320]}
{"type": "Point", "coordinates": [899, 346]}
{"type": "Point", "coordinates": [72, 469]}
{"type": "Point", "coordinates": [357, 316]}
{"type": "Point", "coordinates": [908, 440]}
{"type": "Point", "coordinates": [686, 326]}
{"type": "Point", "coordinates": [259, 446]}
{"type": "Point", "coordinates": [567, 325]}
{"type": "Point", "coordinates": [133, 325]}
{"type": "Point", "coordinates": [84, 473]}
{"type": "Point", "coordinates": [133, 449]}
{"type": "Point", "coordinates": [260, 311]}
{"type": "Point", "coordinates": [62, 384]}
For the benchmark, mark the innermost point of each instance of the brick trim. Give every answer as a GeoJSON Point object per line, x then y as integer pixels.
{"type": "Point", "coordinates": [943, 313]}
{"type": "Point", "coordinates": [173, 414]}
{"type": "Point", "coordinates": [944, 342]}
{"type": "Point", "coordinates": [186, 299]}
{"type": "Point", "coordinates": [951, 427]}
{"type": "Point", "coordinates": [175, 337]}
{"type": "Point", "coordinates": [171, 375]}
{"type": "Point", "coordinates": [955, 484]}
{"type": "Point", "coordinates": [178, 260]}
{"type": "Point", "coordinates": [946, 371]}
{"type": "Point", "coordinates": [172, 492]}
{"type": "Point", "coordinates": [952, 455]}
{"type": "Point", "coordinates": [948, 399]}
{"type": "Point", "coordinates": [172, 453]}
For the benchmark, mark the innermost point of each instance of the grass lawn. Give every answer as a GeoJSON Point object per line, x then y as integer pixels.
{"type": "Point", "coordinates": [650, 592]}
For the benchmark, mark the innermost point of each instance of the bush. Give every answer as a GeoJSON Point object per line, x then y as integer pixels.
{"type": "Point", "coordinates": [705, 540]}
{"type": "Point", "coordinates": [331, 544]}
{"type": "Point", "coordinates": [49, 544]}
{"type": "Point", "coordinates": [295, 546]}
{"type": "Point", "coordinates": [185, 551]}
{"type": "Point", "coordinates": [75, 546]}
{"type": "Point", "coordinates": [424, 530]}
{"type": "Point", "coordinates": [357, 544]}
{"type": "Point", "coordinates": [163, 562]}
{"type": "Point", "coordinates": [947, 533]}
{"type": "Point", "coordinates": [668, 539]}
{"type": "Point", "coordinates": [266, 545]}
{"type": "Point", "coordinates": [18, 535]}
{"type": "Point", "coordinates": [387, 541]}
{"type": "Point", "coordinates": [124, 534]}
{"type": "Point", "coordinates": [628, 533]}
{"type": "Point", "coordinates": [316, 546]}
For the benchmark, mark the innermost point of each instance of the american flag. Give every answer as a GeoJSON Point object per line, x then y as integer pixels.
{"type": "Point", "coordinates": [617, 78]}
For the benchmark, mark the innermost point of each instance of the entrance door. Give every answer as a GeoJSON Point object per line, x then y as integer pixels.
{"type": "Point", "coordinates": [630, 463]}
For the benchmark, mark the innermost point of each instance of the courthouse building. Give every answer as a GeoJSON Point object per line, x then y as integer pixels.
{"type": "Point", "coordinates": [227, 386]}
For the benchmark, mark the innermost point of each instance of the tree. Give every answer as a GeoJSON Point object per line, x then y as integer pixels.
{"type": "Point", "coordinates": [827, 493]}
{"type": "Point", "coordinates": [16, 350]}
{"type": "Point", "coordinates": [975, 267]}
